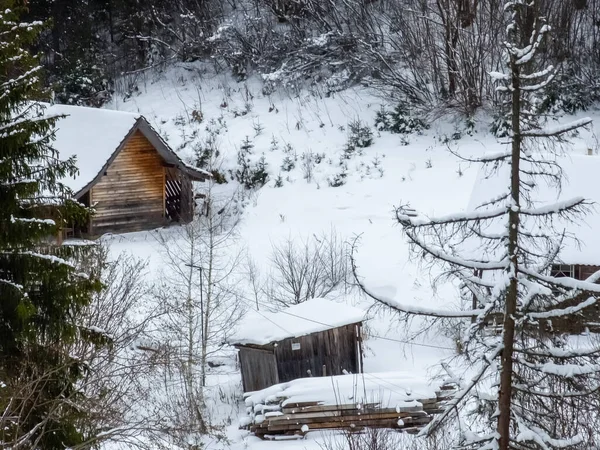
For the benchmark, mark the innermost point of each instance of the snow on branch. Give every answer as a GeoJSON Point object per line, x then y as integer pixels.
{"type": "Point", "coordinates": [555, 352]}
{"type": "Point", "coordinates": [18, 287]}
{"type": "Point", "coordinates": [418, 310]}
{"type": "Point", "coordinates": [565, 370]}
{"type": "Point", "coordinates": [565, 282]}
{"type": "Point", "coordinates": [557, 131]}
{"type": "Point", "coordinates": [486, 159]}
{"type": "Point", "coordinates": [52, 258]}
{"type": "Point", "coordinates": [465, 263]}
{"type": "Point", "coordinates": [559, 312]}
{"type": "Point", "coordinates": [555, 208]}
{"type": "Point", "coordinates": [543, 439]}
{"type": "Point", "coordinates": [542, 73]}
{"type": "Point", "coordinates": [563, 394]}
{"type": "Point", "coordinates": [408, 309]}
{"type": "Point", "coordinates": [409, 217]}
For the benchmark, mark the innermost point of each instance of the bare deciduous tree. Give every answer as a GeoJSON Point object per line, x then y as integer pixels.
{"type": "Point", "coordinates": [307, 269]}
{"type": "Point", "coordinates": [120, 371]}
{"type": "Point", "coordinates": [200, 306]}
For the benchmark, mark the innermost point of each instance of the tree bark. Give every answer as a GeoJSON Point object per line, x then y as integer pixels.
{"type": "Point", "coordinates": [505, 395]}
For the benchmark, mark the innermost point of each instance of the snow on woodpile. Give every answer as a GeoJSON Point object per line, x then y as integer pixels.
{"type": "Point", "coordinates": [399, 400]}
{"type": "Point", "coordinates": [311, 316]}
{"type": "Point", "coordinates": [581, 180]}
{"type": "Point", "coordinates": [91, 135]}
{"type": "Point", "coordinates": [388, 389]}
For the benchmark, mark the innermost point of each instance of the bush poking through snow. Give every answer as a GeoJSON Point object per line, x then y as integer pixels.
{"type": "Point", "coordinates": [568, 94]}
{"type": "Point", "coordinates": [500, 126]}
{"type": "Point", "coordinates": [359, 134]}
{"type": "Point", "coordinates": [308, 165]}
{"type": "Point", "coordinates": [339, 179]}
{"type": "Point", "coordinates": [260, 173]}
{"type": "Point", "coordinates": [288, 164]}
{"type": "Point", "coordinates": [278, 181]}
{"type": "Point", "coordinates": [274, 144]}
{"type": "Point", "coordinates": [402, 120]}
{"type": "Point", "coordinates": [250, 175]}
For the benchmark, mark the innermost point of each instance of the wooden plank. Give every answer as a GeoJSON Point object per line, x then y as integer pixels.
{"type": "Point", "coordinates": [291, 410]}
{"type": "Point", "coordinates": [279, 420]}
{"type": "Point", "coordinates": [302, 404]}
{"type": "Point", "coordinates": [123, 195]}
{"type": "Point", "coordinates": [126, 211]}
{"type": "Point", "coordinates": [384, 423]}
{"type": "Point", "coordinates": [302, 416]}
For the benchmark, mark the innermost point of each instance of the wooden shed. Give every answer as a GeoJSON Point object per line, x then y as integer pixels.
{"type": "Point", "coordinates": [127, 172]}
{"type": "Point", "coordinates": [315, 338]}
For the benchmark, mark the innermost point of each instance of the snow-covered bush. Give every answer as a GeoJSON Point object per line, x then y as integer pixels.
{"type": "Point", "coordinates": [359, 134]}
{"type": "Point", "coordinates": [500, 126]}
{"type": "Point", "coordinates": [288, 164]}
{"type": "Point", "coordinates": [259, 173]}
{"type": "Point", "coordinates": [568, 94]}
{"type": "Point", "coordinates": [402, 120]}
{"type": "Point", "coordinates": [82, 84]}
{"type": "Point", "coordinates": [339, 179]}
{"type": "Point", "coordinates": [278, 181]}
{"type": "Point", "coordinates": [249, 174]}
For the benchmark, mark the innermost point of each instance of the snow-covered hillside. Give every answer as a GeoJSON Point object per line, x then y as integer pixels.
{"type": "Point", "coordinates": [185, 105]}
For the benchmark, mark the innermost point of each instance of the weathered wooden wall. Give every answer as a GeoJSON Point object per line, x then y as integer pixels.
{"type": "Point", "coordinates": [258, 367]}
{"type": "Point", "coordinates": [130, 196]}
{"type": "Point", "coordinates": [336, 349]}
{"type": "Point", "coordinates": [583, 272]}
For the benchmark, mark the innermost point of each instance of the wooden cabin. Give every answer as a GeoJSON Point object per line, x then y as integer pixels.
{"type": "Point", "coordinates": [127, 172]}
{"type": "Point", "coordinates": [316, 338]}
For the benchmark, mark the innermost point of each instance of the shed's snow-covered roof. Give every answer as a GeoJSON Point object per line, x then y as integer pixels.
{"type": "Point", "coordinates": [312, 316]}
{"type": "Point", "coordinates": [581, 179]}
{"type": "Point", "coordinates": [91, 135]}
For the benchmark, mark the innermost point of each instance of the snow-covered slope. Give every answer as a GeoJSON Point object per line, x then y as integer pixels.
{"type": "Point", "coordinates": [186, 106]}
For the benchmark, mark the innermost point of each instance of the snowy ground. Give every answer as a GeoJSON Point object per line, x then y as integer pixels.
{"type": "Point", "coordinates": [423, 173]}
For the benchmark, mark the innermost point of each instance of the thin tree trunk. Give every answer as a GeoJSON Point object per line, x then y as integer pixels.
{"type": "Point", "coordinates": [190, 338]}
{"type": "Point", "coordinates": [209, 294]}
{"type": "Point", "coordinates": [505, 395]}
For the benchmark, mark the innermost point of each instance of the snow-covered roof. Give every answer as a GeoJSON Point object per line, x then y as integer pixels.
{"type": "Point", "coordinates": [312, 316]}
{"type": "Point", "coordinates": [93, 136]}
{"type": "Point", "coordinates": [581, 179]}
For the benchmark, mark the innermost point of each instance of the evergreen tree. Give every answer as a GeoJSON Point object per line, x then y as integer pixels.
{"type": "Point", "coordinates": [41, 292]}
{"type": "Point", "coordinates": [77, 47]}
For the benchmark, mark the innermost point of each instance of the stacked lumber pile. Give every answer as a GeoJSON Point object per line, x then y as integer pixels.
{"type": "Point", "coordinates": [280, 417]}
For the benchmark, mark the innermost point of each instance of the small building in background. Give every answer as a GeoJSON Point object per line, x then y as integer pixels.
{"type": "Point", "coordinates": [577, 256]}
{"type": "Point", "coordinates": [315, 338]}
{"type": "Point", "coordinates": [127, 172]}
